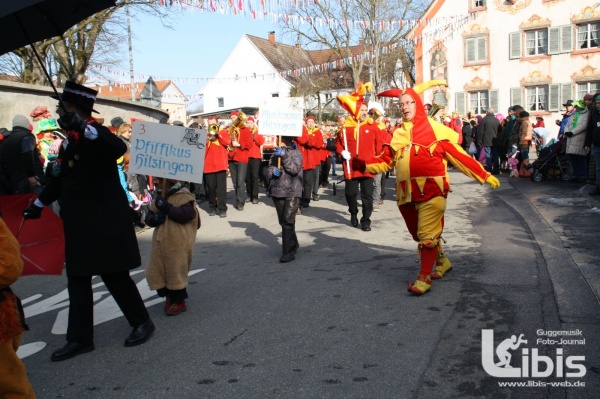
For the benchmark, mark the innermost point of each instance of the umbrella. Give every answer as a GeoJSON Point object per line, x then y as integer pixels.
{"type": "Point", "coordinates": [42, 241]}
{"type": "Point", "coordinates": [24, 22]}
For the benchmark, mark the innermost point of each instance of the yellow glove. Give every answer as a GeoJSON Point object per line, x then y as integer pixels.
{"type": "Point", "coordinates": [492, 181]}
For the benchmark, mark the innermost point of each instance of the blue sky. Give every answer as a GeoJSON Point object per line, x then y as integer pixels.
{"type": "Point", "coordinates": [196, 47]}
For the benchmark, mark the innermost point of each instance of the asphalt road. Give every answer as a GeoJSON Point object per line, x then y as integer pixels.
{"type": "Point", "coordinates": [338, 322]}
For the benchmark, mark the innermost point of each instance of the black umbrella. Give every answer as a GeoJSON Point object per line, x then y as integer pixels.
{"type": "Point", "coordinates": [24, 22]}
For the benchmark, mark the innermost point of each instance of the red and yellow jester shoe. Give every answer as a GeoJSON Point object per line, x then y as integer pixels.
{"type": "Point", "coordinates": [421, 286]}
{"type": "Point", "coordinates": [442, 266]}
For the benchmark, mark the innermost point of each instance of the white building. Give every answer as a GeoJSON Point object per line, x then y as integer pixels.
{"type": "Point", "coordinates": [255, 70]}
{"type": "Point", "coordinates": [535, 53]}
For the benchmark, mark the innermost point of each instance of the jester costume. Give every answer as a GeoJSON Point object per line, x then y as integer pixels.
{"type": "Point", "coordinates": [419, 151]}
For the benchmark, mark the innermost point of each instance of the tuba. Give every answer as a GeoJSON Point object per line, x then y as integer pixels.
{"type": "Point", "coordinates": [234, 130]}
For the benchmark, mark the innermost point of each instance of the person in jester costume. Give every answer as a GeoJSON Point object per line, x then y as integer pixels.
{"type": "Point", "coordinates": [419, 151]}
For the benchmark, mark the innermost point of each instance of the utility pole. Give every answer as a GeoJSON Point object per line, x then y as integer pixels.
{"type": "Point", "coordinates": [130, 51]}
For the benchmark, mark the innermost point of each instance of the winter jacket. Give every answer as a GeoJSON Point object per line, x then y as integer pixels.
{"type": "Point", "coordinates": [593, 129]}
{"type": "Point", "coordinates": [576, 142]}
{"type": "Point", "coordinates": [21, 160]}
{"type": "Point", "coordinates": [489, 130]}
{"type": "Point", "coordinates": [289, 183]}
{"type": "Point", "coordinates": [525, 133]}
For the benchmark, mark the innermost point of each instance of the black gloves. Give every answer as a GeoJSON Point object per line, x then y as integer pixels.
{"type": "Point", "coordinates": [155, 219]}
{"type": "Point", "coordinates": [32, 212]}
{"type": "Point", "coordinates": [72, 121]}
{"type": "Point", "coordinates": [162, 204]}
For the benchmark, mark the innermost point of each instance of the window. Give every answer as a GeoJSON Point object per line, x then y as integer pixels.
{"type": "Point", "coordinates": [587, 87]}
{"type": "Point", "coordinates": [536, 42]}
{"type": "Point", "coordinates": [477, 3]}
{"type": "Point", "coordinates": [476, 49]}
{"type": "Point", "coordinates": [537, 98]}
{"type": "Point", "coordinates": [275, 95]}
{"type": "Point", "coordinates": [478, 101]}
{"type": "Point", "coordinates": [587, 35]}
{"type": "Point", "coordinates": [221, 102]}
{"type": "Point", "coordinates": [328, 96]}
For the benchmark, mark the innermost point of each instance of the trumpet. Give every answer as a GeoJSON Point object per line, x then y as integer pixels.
{"type": "Point", "coordinates": [213, 129]}
{"type": "Point", "coordinates": [234, 130]}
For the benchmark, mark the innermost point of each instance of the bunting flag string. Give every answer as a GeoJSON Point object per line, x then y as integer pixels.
{"type": "Point", "coordinates": [272, 11]}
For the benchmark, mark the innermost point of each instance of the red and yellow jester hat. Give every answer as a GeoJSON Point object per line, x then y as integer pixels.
{"type": "Point", "coordinates": [353, 101]}
{"type": "Point", "coordinates": [422, 132]}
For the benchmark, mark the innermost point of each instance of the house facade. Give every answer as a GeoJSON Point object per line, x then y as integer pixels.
{"type": "Point", "coordinates": [256, 70]}
{"type": "Point", "coordinates": [535, 53]}
{"type": "Point", "coordinates": [168, 98]}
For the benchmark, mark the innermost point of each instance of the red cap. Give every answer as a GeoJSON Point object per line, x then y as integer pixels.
{"type": "Point", "coordinates": [234, 113]}
{"type": "Point", "coordinates": [310, 118]}
{"type": "Point", "coordinates": [251, 118]}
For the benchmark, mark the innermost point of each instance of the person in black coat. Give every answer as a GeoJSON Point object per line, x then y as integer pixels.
{"type": "Point", "coordinates": [99, 236]}
{"type": "Point", "coordinates": [285, 188]}
{"type": "Point", "coordinates": [20, 159]}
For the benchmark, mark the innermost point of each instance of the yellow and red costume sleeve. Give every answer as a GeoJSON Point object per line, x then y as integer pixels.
{"type": "Point", "coordinates": [419, 151]}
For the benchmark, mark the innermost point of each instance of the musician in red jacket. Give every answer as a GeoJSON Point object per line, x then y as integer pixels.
{"type": "Point", "coordinates": [239, 149]}
{"type": "Point", "coordinates": [359, 138]}
{"type": "Point", "coordinates": [254, 160]}
{"type": "Point", "coordinates": [317, 145]}
{"type": "Point", "coordinates": [306, 143]}
{"type": "Point", "coordinates": [215, 169]}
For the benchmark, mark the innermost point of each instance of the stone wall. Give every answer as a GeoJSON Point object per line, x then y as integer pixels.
{"type": "Point", "coordinates": [19, 98]}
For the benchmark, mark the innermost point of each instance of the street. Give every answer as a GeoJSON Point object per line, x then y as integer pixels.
{"type": "Point", "coordinates": [338, 321]}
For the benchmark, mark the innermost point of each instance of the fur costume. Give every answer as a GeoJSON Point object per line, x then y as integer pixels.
{"type": "Point", "coordinates": [13, 377]}
{"type": "Point", "coordinates": [419, 151]}
{"type": "Point", "coordinates": [173, 247]}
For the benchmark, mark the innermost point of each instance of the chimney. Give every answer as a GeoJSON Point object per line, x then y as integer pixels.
{"type": "Point", "coordinates": [272, 37]}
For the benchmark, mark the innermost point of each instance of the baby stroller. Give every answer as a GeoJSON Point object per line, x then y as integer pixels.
{"type": "Point", "coordinates": [552, 161]}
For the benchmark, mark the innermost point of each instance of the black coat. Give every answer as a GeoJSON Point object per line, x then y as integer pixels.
{"type": "Point", "coordinates": [19, 163]}
{"type": "Point", "coordinates": [99, 233]}
{"type": "Point", "coordinates": [489, 131]}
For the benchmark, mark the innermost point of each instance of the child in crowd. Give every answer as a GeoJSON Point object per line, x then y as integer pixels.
{"type": "Point", "coordinates": [285, 188]}
{"type": "Point", "coordinates": [176, 220]}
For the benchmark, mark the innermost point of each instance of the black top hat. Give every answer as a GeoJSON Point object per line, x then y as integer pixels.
{"type": "Point", "coordinates": [78, 95]}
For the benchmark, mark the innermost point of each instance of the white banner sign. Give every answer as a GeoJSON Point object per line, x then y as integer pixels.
{"type": "Point", "coordinates": [281, 116]}
{"type": "Point", "coordinates": [172, 152]}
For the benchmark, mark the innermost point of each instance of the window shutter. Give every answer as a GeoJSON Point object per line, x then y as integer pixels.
{"type": "Point", "coordinates": [470, 56]}
{"type": "Point", "coordinates": [481, 49]}
{"type": "Point", "coordinates": [566, 39]}
{"type": "Point", "coordinates": [554, 98]}
{"type": "Point", "coordinates": [460, 102]}
{"type": "Point", "coordinates": [494, 100]}
{"type": "Point", "coordinates": [554, 40]}
{"type": "Point", "coordinates": [566, 93]}
{"type": "Point", "coordinates": [515, 96]}
{"type": "Point", "coordinates": [514, 43]}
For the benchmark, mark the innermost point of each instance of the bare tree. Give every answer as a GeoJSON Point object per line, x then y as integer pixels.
{"type": "Point", "coordinates": [92, 41]}
{"type": "Point", "coordinates": [351, 29]}
{"type": "Point", "coordinates": [347, 26]}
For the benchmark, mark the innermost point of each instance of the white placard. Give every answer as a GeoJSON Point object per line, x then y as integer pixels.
{"type": "Point", "coordinates": [172, 152]}
{"type": "Point", "coordinates": [281, 116]}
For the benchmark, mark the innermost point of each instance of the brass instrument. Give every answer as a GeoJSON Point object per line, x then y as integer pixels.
{"type": "Point", "coordinates": [434, 109]}
{"type": "Point", "coordinates": [213, 129]}
{"type": "Point", "coordinates": [234, 130]}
